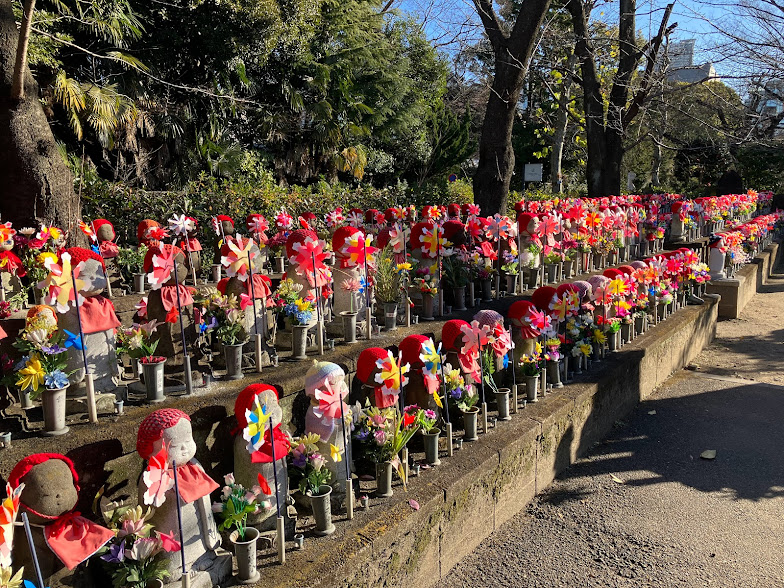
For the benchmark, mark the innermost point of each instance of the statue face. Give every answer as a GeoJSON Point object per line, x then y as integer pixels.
{"type": "Point", "coordinates": [7, 245]}
{"type": "Point", "coordinates": [179, 440]}
{"type": "Point", "coordinates": [105, 233]}
{"type": "Point", "coordinates": [228, 228]}
{"type": "Point", "coordinates": [92, 274]}
{"type": "Point", "coordinates": [49, 489]}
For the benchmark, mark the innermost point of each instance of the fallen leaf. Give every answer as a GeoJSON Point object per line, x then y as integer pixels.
{"type": "Point", "coordinates": [651, 412]}
{"type": "Point", "coordinates": [708, 454]}
{"type": "Point", "coordinates": [616, 479]}
{"type": "Point", "coordinates": [413, 504]}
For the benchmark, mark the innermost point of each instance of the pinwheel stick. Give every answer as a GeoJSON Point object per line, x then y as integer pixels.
{"type": "Point", "coordinates": [349, 486]}
{"type": "Point", "coordinates": [368, 309]}
{"type": "Point", "coordinates": [280, 526]}
{"type": "Point", "coordinates": [449, 448]}
{"type": "Point", "coordinates": [186, 356]}
{"type": "Point", "coordinates": [438, 230]}
{"type": "Point", "coordinates": [257, 337]}
{"type": "Point", "coordinates": [103, 265]}
{"type": "Point", "coordinates": [33, 552]}
{"type": "Point", "coordinates": [185, 575]}
{"type": "Point", "coordinates": [92, 409]}
{"type": "Point", "coordinates": [514, 376]}
{"type": "Point", "coordinates": [405, 273]}
{"type": "Point", "coordinates": [498, 273]}
{"type": "Point", "coordinates": [482, 387]}
{"type": "Point", "coordinates": [320, 321]}
{"type": "Point", "coordinates": [2, 289]}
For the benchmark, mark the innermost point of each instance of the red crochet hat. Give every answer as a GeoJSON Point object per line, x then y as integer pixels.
{"type": "Point", "coordinates": [24, 466]}
{"type": "Point", "coordinates": [569, 287]}
{"type": "Point", "coordinates": [542, 297]}
{"type": "Point", "coordinates": [80, 254]}
{"type": "Point", "coordinates": [626, 269]}
{"type": "Point", "coordinates": [143, 227]}
{"type": "Point", "coordinates": [221, 286]}
{"type": "Point", "coordinates": [153, 426]}
{"type": "Point", "coordinates": [526, 223]}
{"type": "Point", "coordinates": [517, 312]}
{"type": "Point", "coordinates": [298, 236]}
{"type": "Point", "coordinates": [157, 250]}
{"type": "Point", "coordinates": [383, 237]}
{"type": "Point", "coordinates": [370, 215]}
{"type": "Point", "coordinates": [223, 217]}
{"type": "Point", "coordinates": [612, 273]}
{"type": "Point", "coordinates": [341, 236]}
{"type": "Point", "coordinates": [410, 348]}
{"type": "Point", "coordinates": [452, 336]}
{"type": "Point", "coordinates": [454, 231]}
{"type": "Point", "coordinates": [245, 401]}
{"type": "Point", "coordinates": [366, 363]}
{"type": "Point", "coordinates": [391, 214]}
{"type": "Point", "coordinates": [453, 209]}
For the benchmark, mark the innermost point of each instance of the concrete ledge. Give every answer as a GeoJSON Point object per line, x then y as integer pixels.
{"type": "Point", "coordinates": [736, 293]}
{"type": "Point", "coordinates": [472, 494]}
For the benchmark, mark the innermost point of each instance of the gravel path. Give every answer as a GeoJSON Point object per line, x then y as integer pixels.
{"type": "Point", "coordinates": [643, 509]}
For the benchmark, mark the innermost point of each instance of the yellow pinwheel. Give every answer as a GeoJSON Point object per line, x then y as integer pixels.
{"type": "Point", "coordinates": [617, 287]}
{"type": "Point", "coordinates": [60, 283]}
{"type": "Point", "coordinates": [257, 420]}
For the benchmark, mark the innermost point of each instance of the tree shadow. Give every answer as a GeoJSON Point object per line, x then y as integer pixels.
{"type": "Point", "coordinates": [742, 423]}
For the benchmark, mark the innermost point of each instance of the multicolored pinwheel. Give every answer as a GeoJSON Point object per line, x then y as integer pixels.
{"type": "Point", "coordinates": [391, 370]}
{"type": "Point", "coordinates": [433, 241]}
{"type": "Point", "coordinates": [257, 421]}
{"type": "Point", "coordinates": [308, 252]}
{"type": "Point", "coordinates": [180, 225]}
{"type": "Point", "coordinates": [500, 227]}
{"type": "Point", "coordinates": [335, 218]}
{"type": "Point", "coordinates": [61, 292]}
{"type": "Point", "coordinates": [358, 250]}
{"type": "Point", "coordinates": [236, 261]}
{"type": "Point", "coordinates": [8, 511]}
{"type": "Point", "coordinates": [431, 371]}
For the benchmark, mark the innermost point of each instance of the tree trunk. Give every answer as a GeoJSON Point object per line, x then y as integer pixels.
{"type": "Point", "coordinates": [496, 156]}
{"type": "Point", "coordinates": [656, 167]}
{"type": "Point", "coordinates": [561, 124]}
{"type": "Point", "coordinates": [36, 181]}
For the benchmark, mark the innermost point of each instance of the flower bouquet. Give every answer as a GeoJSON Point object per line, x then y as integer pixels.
{"type": "Point", "coordinates": [236, 503]}
{"type": "Point", "coordinates": [308, 469]}
{"type": "Point", "coordinates": [132, 557]}
{"type": "Point", "coordinates": [44, 358]}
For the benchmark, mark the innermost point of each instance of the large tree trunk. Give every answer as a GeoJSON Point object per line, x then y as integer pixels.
{"type": "Point", "coordinates": [496, 156]}
{"type": "Point", "coordinates": [37, 184]}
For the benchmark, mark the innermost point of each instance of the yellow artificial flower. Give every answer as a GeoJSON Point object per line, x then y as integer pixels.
{"type": "Point", "coordinates": [538, 347]}
{"type": "Point", "coordinates": [403, 267]}
{"type": "Point", "coordinates": [599, 337]}
{"type": "Point", "coordinates": [42, 258]}
{"type": "Point", "coordinates": [334, 452]}
{"type": "Point", "coordinates": [32, 375]}
{"type": "Point", "coordinates": [586, 349]}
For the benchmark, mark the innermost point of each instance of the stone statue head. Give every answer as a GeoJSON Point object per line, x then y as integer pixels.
{"type": "Point", "coordinates": [170, 427]}
{"type": "Point", "coordinates": [267, 396]}
{"type": "Point", "coordinates": [104, 230]}
{"type": "Point", "coordinates": [92, 272]}
{"type": "Point", "coordinates": [51, 486]}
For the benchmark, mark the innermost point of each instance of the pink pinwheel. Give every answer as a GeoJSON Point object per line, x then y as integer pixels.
{"type": "Point", "coordinates": [158, 478]}
{"type": "Point", "coordinates": [357, 250]}
{"type": "Point", "coordinates": [258, 224]}
{"type": "Point", "coordinates": [501, 340]}
{"type": "Point", "coordinates": [329, 400]}
{"type": "Point", "coordinates": [499, 227]}
{"type": "Point", "coordinates": [548, 227]}
{"type": "Point", "coordinates": [245, 301]}
{"type": "Point", "coordinates": [538, 320]}
{"type": "Point", "coordinates": [473, 209]}
{"type": "Point", "coordinates": [335, 218]}
{"type": "Point", "coordinates": [236, 260]}
{"type": "Point", "coordinates": [283, 220]}
{"type": "Point", "coordinates": [475, 227]}
{"type": "Point", "coordinates": [474, 336]}
{"type": "Point", "coordinates": [162, 267]}
{"type": "Point", "coordinates": [601, 295]}
{"type": "Point", "coordinates": [61, 292]}
{"type": "Point", "coordinates": [356, 218]}
{"type": "Point", "coordinates": [308, 252]}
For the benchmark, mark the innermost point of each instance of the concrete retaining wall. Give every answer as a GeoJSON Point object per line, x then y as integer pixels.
{"type": "Point", "coordinates": [737, 292]}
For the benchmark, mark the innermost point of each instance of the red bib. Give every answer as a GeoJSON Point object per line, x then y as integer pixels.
{"type": "Point", "coordinates": [194, 483]}
{"type": "Point", "coordinates": [73, 538]}
{"type": "Point", "coordinates": [97, 315]}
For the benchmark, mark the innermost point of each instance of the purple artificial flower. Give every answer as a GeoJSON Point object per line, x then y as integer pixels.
{"type": "Point", "coordinates": [300, 461]}
{"type": "Point", "coordinates": [116, 553]}
{"type": "Point", "coordinates": [430, 414]}
{"type": "Point", "coordinates": [53, 349]}
{"type": "Point", "coordinates": [456, 393]}
{"type": "Point", "coordinates": [362, 435]}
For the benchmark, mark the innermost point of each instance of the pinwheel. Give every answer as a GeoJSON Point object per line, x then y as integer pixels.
{"type": "Point", "coordinates": [335, 218]}
{"type": "Point", "coordinates": [162, 266]}
{"type": "Point", "coordinates": [283, 220]}
{"type": "Point", "coordinates": [548, 227]}
{"type": "Point", "coordinates": [157, 233]}
{"type": "Point", "coordinates": [433, 241]}
{"type": "Point", "coordinates": [538, 320]}
{"type": "Point", "coordinates": [257, 419]}
{"type": "Point", "coordinates": [396, 240]}
{"type": "Point", "coordinates": [431, 370]}
{"type": "Point", "coordinates": [475, 336]}
{"type": "Point", "coordinates": [593, 220]}
{"type": "Point", "coordinates": [86, 228]}
{"type": "Point", "coordinates": [499, 227]}
{"type": "Point", "coordinates": [7, 232]}
{"type": "Point", "coordinates": [180, 225]}
{"type": "Point", "coordinates": [8, 511]}
{"type": "Point", "coordinates": [358, 250]}
{"type": "Point", "coordinates": [61, 292]}
{"type": "Point", "coordinates": [560, 307]}
{"type": "Point", "coordinates": [72, 340]}
{"type": "Point", "coordinates": [474, 228]}
{"type": "Point", "coordinates": [236, 260]}
{"type": "Point", "coordinates": [473, 209]}
{"type": "Point", "coordinates": [258, 224]}
{"type": "Point", "coordinates": [617, 287]}
{"type": "Point", "coordinates": [308, 252]}
{"type": "Point", "coordinates": [356, 218]}
{"type": "Point", "coordinates": [158, 478]}
{"type": "Point", "coordinates": [216, 226]}
{"type": "Point", "coordinates": [391, 370]}
{"type": "Point", "coordinates": [501, 340]}
{"type": "Point", "coordinates": [329, 400]}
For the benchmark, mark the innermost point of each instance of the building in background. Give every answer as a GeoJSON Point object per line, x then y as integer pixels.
{"type": "Point", "coordinates": [678, 63]}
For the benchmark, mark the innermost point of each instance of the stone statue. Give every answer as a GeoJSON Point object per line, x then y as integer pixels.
{"type": "Point", "coordinates": [104, 232]}
{"type": "Point", "coordinates": [99, 322]}
{"type": "Point", "coordinates": [717, 257]}
{"type": "Point", "coordinates": [416, 391]}
{"type": "Point", "coordinates": [248, 466]}
{"type": "Point", "coordinates": [171, 428]}
{"type": "Point", "coordinates": [63, 539]}
{"type": "Point", "coordinates": [347, 276]}
{"type": "Point", "coordinates": [11, 268]}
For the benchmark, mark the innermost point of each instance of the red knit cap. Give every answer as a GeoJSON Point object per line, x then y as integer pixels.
{"type": "Point", "coordinates": [452, 336]}
{"type": "Point", "coordinates": [223, 217]}
{"type": "Point", "coordinates": [341, 236]}
{"type": "Point", "coordinates": [569, 287]}
{"type": "Point", "coordinates": [391, 214]}
{"type": "Point", "coordinates": [221, 286]}
{"type": "Point", "coordinates": [157, 251]}
{"type": "Point", "coordinates": [517, 312]}
{"type": "Point", "coordinates": [453, 209]}
{"type": "Point", "coordinates": [98, 223]}
{"type": "Point", "coordinates": [417, 231]}
{"type": "Point", "coordinates": [246, 401]}
{"type": "Point", "coordinates": [626, 269]}
{"type": "Point", "coordinates": [454, 231]}
{"type": "Point", "coordinates": [612, 273]}
{"type": "Point", "coordinates": [366, 363]}
{"type": "Point", "coordinates": [410, 348]}
{"type": "Point", "coordinates": [80, 254]}
{"type": "Point", "coordinates": [383, 237]}
{"type": "Point", "coordinates": [23, 468]}
{"type": "Point", "coordinates": [298, 236]}
{"type": "Point", "coordinates": [542, 297]}
{"type": "Point", "coordinates": [153, 426]}
{"type": "Point", "coordinates": [370, 215]}
{"type": "Point", "coordinates": [142, 227]}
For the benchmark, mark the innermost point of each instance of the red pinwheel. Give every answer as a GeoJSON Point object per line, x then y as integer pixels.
{"type": "Point", "coordinates": [308, 252]}
{"type": "Point", "coordinates": [330, 401]}
{"type": "Point", "coordinates": [158, 478]}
